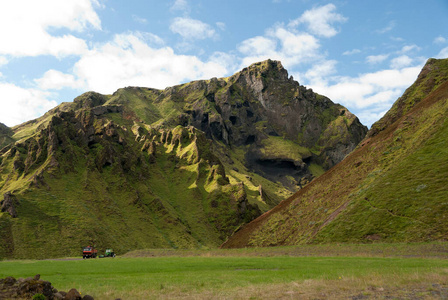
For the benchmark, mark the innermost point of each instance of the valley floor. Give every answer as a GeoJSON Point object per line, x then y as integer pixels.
{"type": "Point", "coordinates": [376, 271]}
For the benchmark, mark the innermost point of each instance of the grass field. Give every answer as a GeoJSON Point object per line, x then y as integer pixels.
{"type": "Point", "coordinates": [282, 272]}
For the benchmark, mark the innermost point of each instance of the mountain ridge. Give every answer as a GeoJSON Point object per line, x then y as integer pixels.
{"type": "Point", "coordinates": [180, 167]}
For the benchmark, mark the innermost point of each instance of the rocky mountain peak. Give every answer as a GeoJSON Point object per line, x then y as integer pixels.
{"type": "Point", "coordinates": [271, 69]}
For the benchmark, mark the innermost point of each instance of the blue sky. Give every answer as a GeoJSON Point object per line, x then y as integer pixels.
{"type": "Point", "coordinates": [362, 54]}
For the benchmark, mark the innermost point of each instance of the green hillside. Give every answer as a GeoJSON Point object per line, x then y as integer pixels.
{"type": "Point", "coordinates": [392, 188]}
{"type": "Point", "coordinates": [182, 167]}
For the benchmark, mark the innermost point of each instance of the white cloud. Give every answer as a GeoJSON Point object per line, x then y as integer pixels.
{"type": "Point", "coordinates": [55, 80]}
{"type": "Point", "coordinates": [221, 25]}
{"type": "Point", "coordinates": [139, 19]}
{"type": "Point", "coordinates": [443, 53]}
{"type": "Point", "coordinates": [225, 60]}
{"type": "Point", "coordinates": [372, 93]}
{"type": "Point", "coordinates": [25, 25]}
{"type": "Point", "coordinates": [391, 79]}
{"type": "Point", "coordinates": [320, 71]}
{"type": "Point", "coordinates": [280, 43]}
{"type": "Point", "coordinates": [258, 45]}
{"type": "Point", "coordinates": [20, 104]}
{"type": "Point", "coordinates": [191, 29]}
{"type": "Point", "coordinates": [351, 52]}
{"type": "Point", "coordinates": [439, 40]}
{"type": "Point", "coordinates": [409, 48]}
{"type": "Point", "coordinates": [368, 117]}
{"type": "Point", "coordinates": [376, 59]}
{"type": "Point", "coordinates": [401, 62]}
{"type": "Point", "coordinates": [397, 39]}
{"type": "Point", "coordinates": [3, 61]}
{"type": "Point", "coordinates": [150, 38]}
{"type": "Point", "coordinates": [388, 28]}
{"type": "Point", "coordinates": [319, 20]}
{"type": "Point", "coordinates": [292, 46]}
{"type": "Point", "coordinates": [181, 5]}
{"type": "Point", "coordinates": [300, 45]}
{"type": "Point", "coordinates": [129, 61]}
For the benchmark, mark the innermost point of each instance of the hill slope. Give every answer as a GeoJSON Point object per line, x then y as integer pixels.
{"type": "Point", "coordinates": [181, 167]}
{"type": "Point", "coordinates": [391, 188]}
{"type": "Point", "coordinates": [5, 135]}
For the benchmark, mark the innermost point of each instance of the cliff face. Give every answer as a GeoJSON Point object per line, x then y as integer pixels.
{"type": "Point", "coordinates": [284, 126]}
{"type": "Point", "coordinates": [180, 167]}
{"type": "Point", "coordinates": [391, 188]}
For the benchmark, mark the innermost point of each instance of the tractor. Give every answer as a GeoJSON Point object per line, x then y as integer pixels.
{"type": "Point", "coordinates": [109, 253]}
{"type": "Point", "coordinates": [89, 252]}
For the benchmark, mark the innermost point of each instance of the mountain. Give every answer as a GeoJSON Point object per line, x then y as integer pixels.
{"type": "Point", "coordinates": [391, 188]}
{"type": "Point", "coordinates": [182, 167]}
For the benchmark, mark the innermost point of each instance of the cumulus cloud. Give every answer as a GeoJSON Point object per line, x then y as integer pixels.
{"type": "Point", "coordinates": [129, 61]}
{"type": "Point", "coordinates": [258, 45]}
{"type": "Point", "coordinates": [139, 19]}
{"type": "Point", "coordinates": [56, 80]}
{"type": "Point", "coordinates": [191, 29]}
{"type": "Point", "coordinates": [3, 61]}
{"type": "Point", "coordinates": [376, 59]}
{"type": "Point", "coordinates": [372, 94]}
{"type": "Point", "coordinates": [180, 5]}
{"type": "Point", "coordinates": [31, 36]}
{"type": "Point", "coordinates": [281, 43]}
{"type": "Point", "coordinates": [221, 25]}
{"type": "Point", "coordinates": [440, 40]}
{"type": "Point", "coordinates": [319, 73]}
{"type": "Point", "coordinates": [443, 53]}
{"type": "Point", "coordinates": [409, 48]}
{"type": "Point", "coordinates": [319, 20]}
{"type": "Point", "coordinates": [20, 104]}
{"type": "Point", "coordinates": [351, 52]}
{"type": "Point", "coordinates": [388, 28]}
{"type": "Point", "coordinates": [401, 62]}
{"type": "Point", "coordinates": [291, 44]}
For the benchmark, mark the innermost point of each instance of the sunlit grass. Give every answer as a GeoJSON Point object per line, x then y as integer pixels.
{"type": "Point", "coordinates": [214, 275]}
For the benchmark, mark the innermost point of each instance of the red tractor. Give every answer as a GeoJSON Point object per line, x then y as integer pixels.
{"type": "Point", "coordinates": [89, 252]}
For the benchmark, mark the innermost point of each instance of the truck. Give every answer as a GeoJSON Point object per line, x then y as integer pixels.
{"type": "Point", "coordinates": [89, 252]}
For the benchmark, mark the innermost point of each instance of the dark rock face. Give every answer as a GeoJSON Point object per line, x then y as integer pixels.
{"type": "Point", "coordinates": [263, 94]}
{"type": "Point", "coordinates": [261, 102]}
{"type": "Point", "coordinates": [12, 288]}
{"type": "Point", "coordinates": [8, 204]}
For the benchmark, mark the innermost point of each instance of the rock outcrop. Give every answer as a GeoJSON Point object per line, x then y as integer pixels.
{"type": "Point", "coordinates": [8, 204]}
{"type": "Point", "coordinates": [27, 288]}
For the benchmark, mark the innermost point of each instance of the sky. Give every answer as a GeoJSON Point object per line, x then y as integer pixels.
{"type": "Point", "coordinates": [362, 54]}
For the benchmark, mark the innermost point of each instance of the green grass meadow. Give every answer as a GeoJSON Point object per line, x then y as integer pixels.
{"type": "Point", "coordinates": [235, 275]}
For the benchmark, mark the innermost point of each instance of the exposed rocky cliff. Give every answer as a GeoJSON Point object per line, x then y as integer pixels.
{"type": "Point", "coordinates": [282, 126]}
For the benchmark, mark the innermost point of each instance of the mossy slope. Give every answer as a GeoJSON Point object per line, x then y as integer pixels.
{"type": "Point", "coordinates": [392, 188]}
